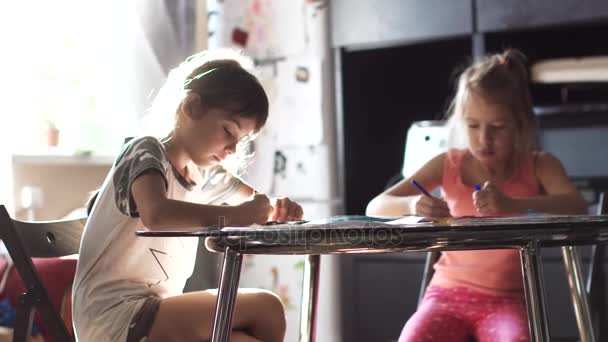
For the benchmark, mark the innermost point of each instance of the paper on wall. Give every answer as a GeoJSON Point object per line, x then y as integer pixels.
{"type": "Point", "coordinates": [226, 19]}
{"type": "Point", "coordinates": [260, 172]}
{"type": "Point", "coordinates": [276, 28]}
{"type": "Point", "coordinates": [317, 43]}
{"type": "Point", "coordinates": [303, 173]}
{"type": "Point", "coordinates": [297, 109]}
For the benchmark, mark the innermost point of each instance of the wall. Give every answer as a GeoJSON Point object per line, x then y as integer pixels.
{"type": "Point", "coordinates": [64, 187]}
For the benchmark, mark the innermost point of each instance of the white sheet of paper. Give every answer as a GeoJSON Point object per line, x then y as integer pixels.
{"type": "Point", "coordinates": [276, 28]}
{"type": "Point", "coordinates": [411, 219]}
{"type": "Point", "coordinates": [305, 174]}
{"type": "Point", "coordinates": [316, 30]}
{"type": "Point", "coordinates": [223, 18]}
{"type": "Point", "coordinates": [298, 115]}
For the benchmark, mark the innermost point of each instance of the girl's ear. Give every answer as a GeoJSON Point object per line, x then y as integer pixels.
{"type": "Point", "coordinates": [192, 106]}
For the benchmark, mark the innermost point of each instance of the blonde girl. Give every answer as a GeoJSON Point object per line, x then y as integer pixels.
{"type": "Point", "coordinates": [493, 131]}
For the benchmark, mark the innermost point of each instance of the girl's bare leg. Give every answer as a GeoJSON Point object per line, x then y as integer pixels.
{"type": "Point", "coordinates": [239, 336]}
{"type": "Point", "coordinates": [189, 317]}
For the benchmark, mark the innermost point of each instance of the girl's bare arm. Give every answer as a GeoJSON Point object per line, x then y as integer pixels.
{"type": "Point", "coordinates": [400, 199]}
{"type": "Point", "coordinates": [158, 212]}
{"type": "Point", "coordinates": [560, 195]}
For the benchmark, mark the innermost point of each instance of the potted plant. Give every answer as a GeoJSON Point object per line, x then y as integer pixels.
{"type": "Point", "coordinates": [51, 133]}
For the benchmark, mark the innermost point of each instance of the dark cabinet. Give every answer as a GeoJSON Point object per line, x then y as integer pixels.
{"type": "Point", "coordinates": [499, 15]}
{"type": "Point", "coordinates": [388, 22]}
{"type": "Point", "coordinates": [384, 92]}
{"type": "Point", "coordinates": [381, 293]}
{"type": "Point", "coordinates": [395, 62]}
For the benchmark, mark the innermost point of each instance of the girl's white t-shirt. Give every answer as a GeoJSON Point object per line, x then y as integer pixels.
{"type": "Point", "coordinates": [118, 270]}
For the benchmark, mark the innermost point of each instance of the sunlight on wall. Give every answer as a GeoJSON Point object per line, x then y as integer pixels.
{"type": "Point", "coordinates": [70, 68]}
{"type": "Point", "coordinates": [84, 67]}
{"type": "Point", "coordinates": [67, 64]}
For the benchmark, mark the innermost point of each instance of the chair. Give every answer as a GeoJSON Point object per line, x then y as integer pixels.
{"type": "Point", "coordinates": [43, 239]}
{"type": "Point", "coordinates": [427, 273]}
{"type": "Point", "coordinates": [596, 280]}
{"type": "Point", "coordinates": [424, 140]}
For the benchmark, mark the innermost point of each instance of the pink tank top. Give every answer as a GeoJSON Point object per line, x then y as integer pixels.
{"type": "Point", "coordinates": [495, 271]}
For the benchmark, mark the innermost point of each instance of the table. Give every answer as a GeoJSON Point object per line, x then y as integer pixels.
{"type": "Point", "coordinates": [528, 234]}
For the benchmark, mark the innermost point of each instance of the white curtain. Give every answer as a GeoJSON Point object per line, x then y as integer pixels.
{"type": "Point", "coordinates": [90, 67]}
{"type": "Point", "coordinates": [165, 36]}
{"type": "Point", "coordinates": [119, 53]}
{"type": "Point", "coordinates": [85, 66]}
{"type": "Point", "coordinates": [100, 62]}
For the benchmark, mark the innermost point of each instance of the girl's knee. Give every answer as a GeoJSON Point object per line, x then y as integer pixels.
{"type": "Point", "coordinates": [432, 326]}
{"type": "Point", "coordinates": [273, 305]}
{"type": "Point", "coordinates": [260, 313]}
{"type": "Point", "coordinates": [253, 301]}
{"type": "Point", "coordinates": [271, 300]}
{"type": "Point", "coordinates": [503, 328]}
{"type": "Point", "coordinates": [181, 333]}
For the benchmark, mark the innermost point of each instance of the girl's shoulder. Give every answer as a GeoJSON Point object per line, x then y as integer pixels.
{"type": "Point", "coordinates": [543, 158]}
{"type": "Point", "coordinates": [437, 161]}
{"type": "Point", "coordinates": [143, 144]}
{"type": "Point", "coordinates": [144, 141]}
{"type": "Point", "coordinates": [437, 165]}
{"type": "Point", "coordinates": [545, 163]}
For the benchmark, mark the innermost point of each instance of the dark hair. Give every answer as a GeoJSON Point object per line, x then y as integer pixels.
{"type": "Point", "coordinates": [91, 201]}
{"type": "Point", "coordinates": [501, 79]}
{"type": "Point", "coordinates": [226, 84]}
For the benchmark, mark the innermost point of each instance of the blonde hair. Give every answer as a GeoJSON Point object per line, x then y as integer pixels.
{"type": "Point", "coordinates": [500, 79]}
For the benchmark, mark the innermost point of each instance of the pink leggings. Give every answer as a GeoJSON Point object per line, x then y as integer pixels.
{"type": "Point", "coordinates": [459, 314]}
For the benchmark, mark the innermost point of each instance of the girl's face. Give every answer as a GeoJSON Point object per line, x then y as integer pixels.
{"type": "Point", "coordinates": [491, 131]}
{"type": "Point", "coordinates": [210, 135]}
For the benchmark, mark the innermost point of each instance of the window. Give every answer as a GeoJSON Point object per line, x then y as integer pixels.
{"type": "Point", "coordinates": [69, 68]}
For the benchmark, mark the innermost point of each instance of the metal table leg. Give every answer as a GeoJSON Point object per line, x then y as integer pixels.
{"type": "Point", "coordinates": [226, 297]}
{"type": "Point", "coordinates": [578, 294]}
{"type": "Point", "coordinates": [595, 290]}
{"type": "Point", "coordinates": [427, 273]}
{"type": "Point", "coordinates": [535, 297]}
{"type": "Point", "coordinates": [310, 285]}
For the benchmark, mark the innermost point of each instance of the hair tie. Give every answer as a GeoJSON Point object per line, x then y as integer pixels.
{"type": "Point", "coordinates": [503, 61]}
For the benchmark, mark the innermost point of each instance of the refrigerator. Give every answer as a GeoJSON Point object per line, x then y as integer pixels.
{"type": "Point", "coordinates": [295, 154]}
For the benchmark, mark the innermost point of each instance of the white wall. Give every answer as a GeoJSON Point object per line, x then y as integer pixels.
{"type": "Point", "coordinates": [65, 187]}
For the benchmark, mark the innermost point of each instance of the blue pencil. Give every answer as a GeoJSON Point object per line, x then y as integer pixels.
{"type": "Point", "coordinates": [420, 188]}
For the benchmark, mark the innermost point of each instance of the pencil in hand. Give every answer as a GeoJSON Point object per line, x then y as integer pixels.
{"type": "Point", "coordinates": [421, 189]}
{"type": "Point", "coordinates": [436, 203]}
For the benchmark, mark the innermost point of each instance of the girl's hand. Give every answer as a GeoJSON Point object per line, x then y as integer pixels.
{"type": "Point", "coordinates": [285, 209]}
{"type": "Point", "coordinates": [490, 201]}
{"type": "Point", "coordinates": [431, 207]}
{"type": "Point", "coordinates": [256, 210]}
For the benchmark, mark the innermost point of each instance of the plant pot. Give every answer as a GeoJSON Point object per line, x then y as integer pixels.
{"type": "Point", "coordinates": [52, 136]}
